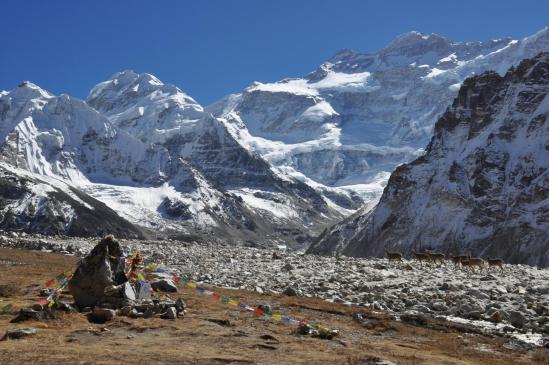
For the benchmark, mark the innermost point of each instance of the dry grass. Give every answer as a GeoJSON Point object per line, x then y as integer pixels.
{"type": "Point", "coordinates": [212, 333]}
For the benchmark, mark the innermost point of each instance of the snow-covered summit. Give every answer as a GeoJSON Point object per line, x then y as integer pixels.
{"type": "Point", "coordinates": [358, 116]}
{"type": "Point", "coordinates": [144, 106]}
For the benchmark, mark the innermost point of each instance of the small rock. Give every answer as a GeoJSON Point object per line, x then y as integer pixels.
{"type": "Point", "coordinates": [288, 267]}
{"type": "Point", "coordinates": [180, 306]}
{"type": "Point", "coordinates": [171, 313]}
{"type": "Point", "coordinates": [448, 287]}
{"type": "Point", "coordinates": [421, 308]}
{"type": "Point", "coordinates": [19, 333]}
{"type": "Point", "coordinates": [488, 277]}
{"type": "Point", "coordinates": [517, 319]}
{"type": "Point", "coordinates": [101, 315]}
{"type": "Point", "coordinates": [26, 314]}
{"type": "Point", "coordinates": [495, 317]}
{"type": "Point", "coordinates": [476, 315]}
{"type": "Point", "coordinates": [125, 311]}
{"type": "Point", "coordinates": [165, 285]}
{"type": "Point", "coordinates": [289, 291]}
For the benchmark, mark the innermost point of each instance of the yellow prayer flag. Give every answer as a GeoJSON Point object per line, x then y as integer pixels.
{"type": "Point", "coordinates": [191, 285]}
{"type": "Point", "coordinates": [233, 302]}
{"type": "Point", "coordinates": [277, 316]}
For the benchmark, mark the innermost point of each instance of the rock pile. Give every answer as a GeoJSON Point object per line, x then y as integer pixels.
{"type": "Point", "coordinates": [99, 279]}
{"type": "Point", "coordinates": [101, 288]}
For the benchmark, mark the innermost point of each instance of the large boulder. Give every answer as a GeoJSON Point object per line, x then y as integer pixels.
{"type": "Point", "coordinates": [100, 278]}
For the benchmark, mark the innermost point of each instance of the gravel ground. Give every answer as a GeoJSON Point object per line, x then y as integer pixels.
{"type": "Point", "coordinates": [514, 300]}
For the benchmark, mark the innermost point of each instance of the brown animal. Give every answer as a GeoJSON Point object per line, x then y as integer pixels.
{"type": "Point", "coordinates": [436, 257]}
{"type": "Point", "coordinates": [421, 256]}
{"type": "Point", "coordinates": [457, 259]}
{"type": "Point", "coordinates": [393, 256]}
{"type": "Point", "coordinates": [473, 262]}
{"type": "Point", "coordinates": [495, 262]}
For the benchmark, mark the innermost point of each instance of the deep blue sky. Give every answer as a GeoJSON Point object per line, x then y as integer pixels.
{"type": "Point", "coordinates": [212, 48]}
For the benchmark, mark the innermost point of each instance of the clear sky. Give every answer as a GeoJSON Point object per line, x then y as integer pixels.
{"type": "Point", "coordinates": [211, 48]}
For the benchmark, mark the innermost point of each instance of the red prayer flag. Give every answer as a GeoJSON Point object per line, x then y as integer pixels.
{"type": "Point", "coordinates": [258, 311]}
{"type": "Point", "coordinates": [50, 283]}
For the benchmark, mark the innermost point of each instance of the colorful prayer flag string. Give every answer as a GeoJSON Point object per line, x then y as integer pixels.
{"type": "Point", "coordinates": [259, 311]}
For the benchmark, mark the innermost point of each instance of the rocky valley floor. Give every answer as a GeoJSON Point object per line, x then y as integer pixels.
{"type": "Point", "coordinates": [401, 312]}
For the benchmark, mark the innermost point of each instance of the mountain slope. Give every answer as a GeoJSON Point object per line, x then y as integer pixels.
{"type": "Point", "coordinates": [155, 158]}
{"type": "Point", "coordinates": [347, 125]}
{"type": "Point", "coordinates": [49, 206]}
{"type": "Point", "coordinates": [482, 186]}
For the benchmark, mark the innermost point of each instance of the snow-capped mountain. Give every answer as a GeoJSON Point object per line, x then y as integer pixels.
{"type": "Point", "coordinates": [482, 186]}
{"type": "Point", "coordinates": [149, 152]}
{"type": "Point", "coordinates": [347, 125]}
{"type": "Point", "coordinates": [273, 164]}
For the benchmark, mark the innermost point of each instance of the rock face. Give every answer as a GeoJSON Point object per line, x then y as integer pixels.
{"type": "Point", "coordinates": [482, 185]}
{"type": "Point", "coordinates": [353, 120]}
{"type": "Point", "coordinates": [100, 277]}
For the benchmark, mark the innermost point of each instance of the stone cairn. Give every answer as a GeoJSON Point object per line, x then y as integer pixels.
{"type": "Point", "coordinates": [101, 288]}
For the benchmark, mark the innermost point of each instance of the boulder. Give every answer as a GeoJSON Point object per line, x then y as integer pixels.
{"type": "Point", "coordinates": [101, 269]}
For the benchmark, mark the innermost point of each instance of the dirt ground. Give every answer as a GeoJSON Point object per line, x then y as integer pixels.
{"type": "Point", "coordinates": [213, 333]}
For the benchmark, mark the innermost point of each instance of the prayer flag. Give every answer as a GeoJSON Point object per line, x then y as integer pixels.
{"type": "Point", "coordinates": [49, 283]}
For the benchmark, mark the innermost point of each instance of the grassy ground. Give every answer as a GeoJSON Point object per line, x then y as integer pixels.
{"type": "Point", "coordinates": [212, 333]}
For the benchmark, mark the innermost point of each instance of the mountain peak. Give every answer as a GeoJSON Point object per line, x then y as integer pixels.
{"type": "Point", "coordinates": [29, 90]}
{"type": "Point", "coordinates": [131, 83]}
{"type": "Point", "coordinates": [415, 39]}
